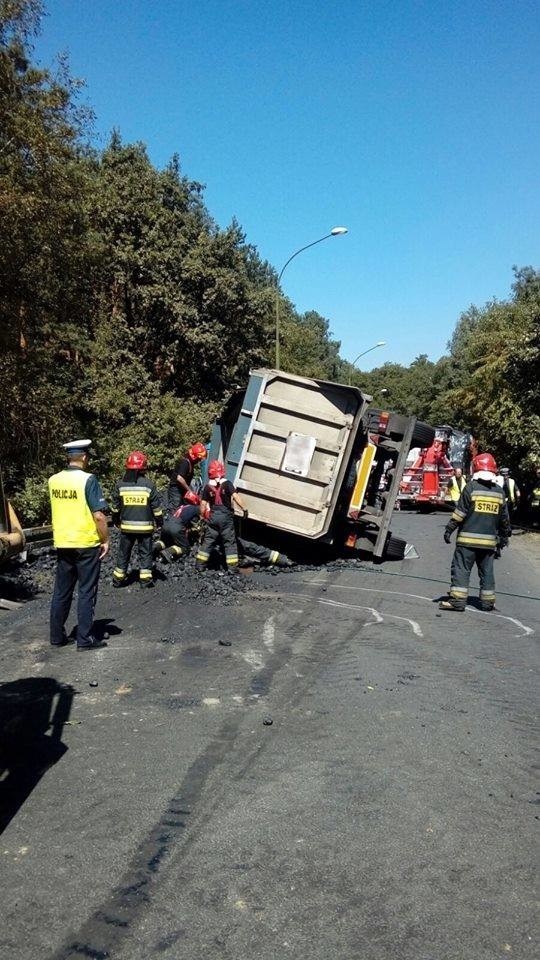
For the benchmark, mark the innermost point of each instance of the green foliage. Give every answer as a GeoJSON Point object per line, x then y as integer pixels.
{"type": "Point", "coordinates": [31, 502]}
{"type": "Point", "coordinates": [128, 315]}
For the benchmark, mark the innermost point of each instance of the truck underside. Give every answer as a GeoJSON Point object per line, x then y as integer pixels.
{"type": "Point", "coordinates": [307, 457]}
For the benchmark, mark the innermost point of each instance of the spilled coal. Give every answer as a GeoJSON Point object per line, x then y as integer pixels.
{"type": "Point", "coordinates": [33, 580]}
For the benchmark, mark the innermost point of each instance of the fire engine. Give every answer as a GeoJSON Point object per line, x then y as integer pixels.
{"type": "Point", "coordinates": [425, 481]}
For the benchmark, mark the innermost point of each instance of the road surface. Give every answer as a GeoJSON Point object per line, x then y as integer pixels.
{"type": "Point", "coordinates": [390, 809]}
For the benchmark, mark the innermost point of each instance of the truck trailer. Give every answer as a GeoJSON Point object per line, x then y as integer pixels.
{"type": "Point", "coordinates": [307, 457]}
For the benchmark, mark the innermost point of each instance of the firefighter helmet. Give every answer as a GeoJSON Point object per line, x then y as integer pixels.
{"type": "Point", "coordinates": [191, 497]}
{"type": "Point", "coordinates": [137, 460]}
{"type": "Point", "coordinates": [505, 471]}
{"type": "Point", "coordinates": [216, 470]}
{"type": "Point", "coordinates": [197, 451]}
{"type": "Point", "coordinates": [484, 461]}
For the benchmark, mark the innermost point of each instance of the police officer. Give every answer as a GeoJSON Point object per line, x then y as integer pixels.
{"type": "Point", "coordinates": [217, 499]}
{"type": "Point", "coordinates": [456, 484]}
{"type": "Point", "coordinates": [182, 475]}
{"type": "Point", "coordinates": [136, 506]}
{"type": "Point", "coordinates": [81, 538]}
{"type": "Point", "coordinates": [483, 524]}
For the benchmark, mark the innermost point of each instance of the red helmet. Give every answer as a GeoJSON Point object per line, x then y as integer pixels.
{"type": "Point", "coordinates": [197, 451]}
{"type": "Point", "coordinates": [484, 461]}
{"type": "Point", "coordinates": [191, 497]}
{"type": "Point", "coordinates": [137, 460]}
{"type": "Point", "coordinates": [216, 470]}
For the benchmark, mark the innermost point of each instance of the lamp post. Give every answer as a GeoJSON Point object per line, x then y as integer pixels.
{"type": "Point", "coordinates": [335, 232]}
{"type": "Point", "coordinates": [380, 343]}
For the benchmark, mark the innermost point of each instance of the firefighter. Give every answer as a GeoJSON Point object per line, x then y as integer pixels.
{"type": "Point", "coordinates": [481, 517]}
{"type": "Point", "coordinates": [81, 538]}
{"type": "Point", "coordinates": [173, 540]}
{"type": "Point", "coordinates": [182, 475]}
{"type": "Point", "coordinates": [511, 489]}
{"type": "Point", "coordinates": [533, 503]}
{"type": "Point", "coordinates": [217, 501]}
{"type": "Point", "coordinates": [136, 507]}
{"type": "Point", "coordinates": [456, 484]}
{"type": "Point", "coordinates": [254, 551]}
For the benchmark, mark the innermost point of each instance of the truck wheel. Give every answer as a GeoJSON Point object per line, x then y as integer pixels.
{"type": "Point", "coordinates": [394, 548]}
{"type": "Point", "coordinates": [423, 435]}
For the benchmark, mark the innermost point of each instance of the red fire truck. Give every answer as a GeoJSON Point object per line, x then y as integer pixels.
{"type": "Point", "coordinates": [425, 480]}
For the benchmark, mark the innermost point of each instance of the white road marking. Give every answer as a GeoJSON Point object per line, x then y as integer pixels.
{"type": "Point", "coordinates": [527, 631]}
{"type": "Point", "coordinates": [269, 632]}
{"type": "Point", "coordinates": [377, 617]}
{"type": "Point", "coordinates": [254, 659]}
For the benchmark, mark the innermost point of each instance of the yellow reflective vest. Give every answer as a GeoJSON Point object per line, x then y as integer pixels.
{"type": "Point", "coordinates": [456, 487]}
{"type": "Point", "coordinates": [73, 523]}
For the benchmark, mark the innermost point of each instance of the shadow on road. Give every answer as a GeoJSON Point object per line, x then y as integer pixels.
{"type": "Point", "coordinates": [33, 712]}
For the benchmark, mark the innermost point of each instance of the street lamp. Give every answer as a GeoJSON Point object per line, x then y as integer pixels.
{"type": "Point", "coordinates": [380, 343]}
{"type": "Point", "coordinates": [335, 232]}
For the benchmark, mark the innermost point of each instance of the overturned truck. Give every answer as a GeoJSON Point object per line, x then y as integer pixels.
{"type": "Point", "coordinates": [308, 456]}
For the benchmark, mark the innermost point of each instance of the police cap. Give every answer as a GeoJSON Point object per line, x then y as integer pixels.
{"type": "Point", "coordinates": [74, 447]}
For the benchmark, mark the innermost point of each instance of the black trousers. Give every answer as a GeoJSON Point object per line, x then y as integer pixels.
{"type": "Point", "coordinates": [126, 542]}
{"type": "Point", "coordinates": [174, 534]}
{"type": "Point", "coordinates": [257, 552]}
{"type": "Point", "coordinates": [463, 561]}
{"type": "Point", "coordinates": [219, 530]}
{"type": "Point", "coordinates": [75, 566]}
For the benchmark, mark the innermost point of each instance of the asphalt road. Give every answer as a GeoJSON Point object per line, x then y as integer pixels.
{"type": "Point", "coordinates": [389, 811]}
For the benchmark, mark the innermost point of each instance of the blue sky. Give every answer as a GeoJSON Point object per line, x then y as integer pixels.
{"type": "Point", "coordinates": [415, 123]}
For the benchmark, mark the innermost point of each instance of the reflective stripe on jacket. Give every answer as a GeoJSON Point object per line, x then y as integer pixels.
{"type": "Point", "coordinates": [481, 515]}
{"type": "Point", "coordinates": [73, 523]}
{"type": "Point", "coordinates": [138, 503]}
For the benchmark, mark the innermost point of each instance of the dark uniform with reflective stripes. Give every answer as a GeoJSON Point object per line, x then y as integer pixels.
{"type": "Point", "coordinates": [220, 526]}
{"type": "Point", "coordinates": [136, 506]}
{"type": "Point", "coordinates": [483, 523]}
{"type": "Point", "coordinates": [173, 535]}
{"type": "Point", "coordinates": [175, 493]}
{"type": "Point", "coordinates": [262, 554]}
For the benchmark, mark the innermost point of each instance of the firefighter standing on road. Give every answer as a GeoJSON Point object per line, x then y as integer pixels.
{"type": "Point", "coordinates": [483, 524]}
{"type": "Point", "coordinates": [456, 484]}
{"type": "Point", "coordinates": [81, 538]}
{"type": "Point", "coordinates": [217, 500]}
{"type": "Point", "coordinates": [136, 506]}
{"type": "Point", "coordinates": [182, 475]}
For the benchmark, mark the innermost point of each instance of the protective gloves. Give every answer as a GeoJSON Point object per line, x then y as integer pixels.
{"type": "Point", "coordinates": [447, 535]}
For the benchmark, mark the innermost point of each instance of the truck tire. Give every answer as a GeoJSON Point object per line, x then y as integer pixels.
{"type": "Point", "coordinates": [423, 434]}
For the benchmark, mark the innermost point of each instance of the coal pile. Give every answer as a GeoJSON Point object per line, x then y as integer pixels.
{"type": "Point", "coordinates": [179, 581]}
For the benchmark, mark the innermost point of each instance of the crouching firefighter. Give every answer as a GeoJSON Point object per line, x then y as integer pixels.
{"type": "Point", "coordinates": [264, 555]}
{"type": "Point", "coordinates": [483, 524]}
{"type": "Point", "coordinates": [136, 507]}
{"type": "Point", "coordinates": [173, 540]}
{"type": "Point", "coordinates": [217, 508]}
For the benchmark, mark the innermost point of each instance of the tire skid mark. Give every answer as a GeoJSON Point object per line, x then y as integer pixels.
{"type": "Point", "coordinates": [103, 933]}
